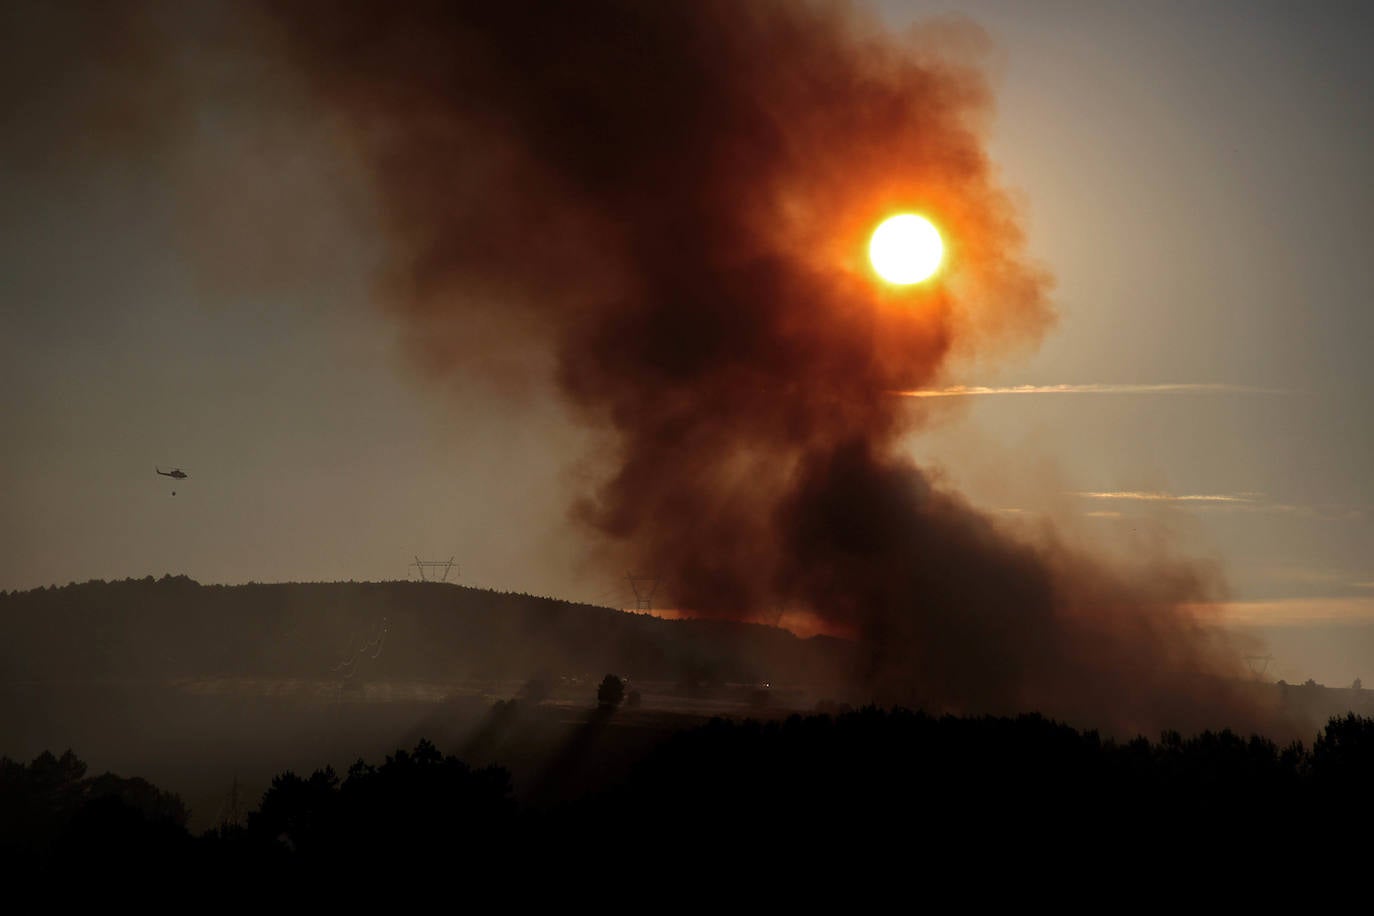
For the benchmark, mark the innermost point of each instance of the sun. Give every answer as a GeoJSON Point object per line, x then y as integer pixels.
{"type": "Point", "coordinates": [906, 249]}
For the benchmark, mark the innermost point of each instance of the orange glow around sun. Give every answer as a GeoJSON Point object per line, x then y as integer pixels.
{"type": "Point", "coordinates": [906, 249]}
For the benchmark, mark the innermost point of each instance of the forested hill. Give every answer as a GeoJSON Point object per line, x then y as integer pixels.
{"type": "Point", "coordinates": [175, 627]}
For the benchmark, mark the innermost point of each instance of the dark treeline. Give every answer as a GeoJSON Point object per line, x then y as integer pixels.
{"type": "Point", "coordinates": [870, 785]}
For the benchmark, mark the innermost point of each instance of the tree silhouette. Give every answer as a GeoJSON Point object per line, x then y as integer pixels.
{"type": "Point", "coordinates": [50, 811]}
{"type": "Point", "coordinates": [611, 692]}
{"type": "Point", "coordinates": [417, 806]}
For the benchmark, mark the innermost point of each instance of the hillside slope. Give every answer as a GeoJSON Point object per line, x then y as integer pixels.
{"type": "Point", "coordinates": [174, 627]}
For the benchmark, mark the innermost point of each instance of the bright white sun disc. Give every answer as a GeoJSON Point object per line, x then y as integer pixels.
{"type": "Point", "coordinates": [906, 249]}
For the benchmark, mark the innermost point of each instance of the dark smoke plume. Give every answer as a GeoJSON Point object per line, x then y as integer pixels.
{"type": "Point", "coordinates": [673, 199]}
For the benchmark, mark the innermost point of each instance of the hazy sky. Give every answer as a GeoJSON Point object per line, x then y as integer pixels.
{"type": "Point", "coordinates": [1194, 175]}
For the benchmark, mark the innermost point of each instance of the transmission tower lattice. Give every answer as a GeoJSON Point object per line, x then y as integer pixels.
{"type": "Point", "coordinates": [1251, 659]}
{"type": "Point", "coordinates": [233, 813]}
{"type": "Point", "coordinates": [643, 588]}
{"type": "Point", "coordinates": [434, 565]}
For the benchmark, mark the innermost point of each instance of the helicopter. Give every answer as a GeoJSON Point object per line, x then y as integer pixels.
{"type": "Point", "coordinates": [178, 473]}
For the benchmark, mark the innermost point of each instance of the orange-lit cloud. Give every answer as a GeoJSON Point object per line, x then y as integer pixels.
{"type": "Point", "coordinates": [1283, 612]}
{"type": "Point", "coordinates": [965, 391]}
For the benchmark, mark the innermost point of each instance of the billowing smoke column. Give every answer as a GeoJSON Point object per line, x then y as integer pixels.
{"type": "Point", "coordinates": [673, 199]}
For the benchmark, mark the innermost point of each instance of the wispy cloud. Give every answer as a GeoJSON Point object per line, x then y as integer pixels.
{"type": "Point", "coordinates": [1237, 502]}
{"type": "Point", "coordinates": [1157, 497]}
{"type": "Point", "coordinates": [965, 391]}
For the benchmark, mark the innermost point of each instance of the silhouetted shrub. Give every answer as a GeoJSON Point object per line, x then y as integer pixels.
{"type": "Point", "coordinates": [611, 692]}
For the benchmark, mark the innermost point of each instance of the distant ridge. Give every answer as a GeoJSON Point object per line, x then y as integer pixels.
{"type": "Point", "coordinates": [175, 627]}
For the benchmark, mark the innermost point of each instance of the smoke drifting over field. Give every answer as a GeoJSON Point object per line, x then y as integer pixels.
{"type": "Point", "coordinates": [673, 200]}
